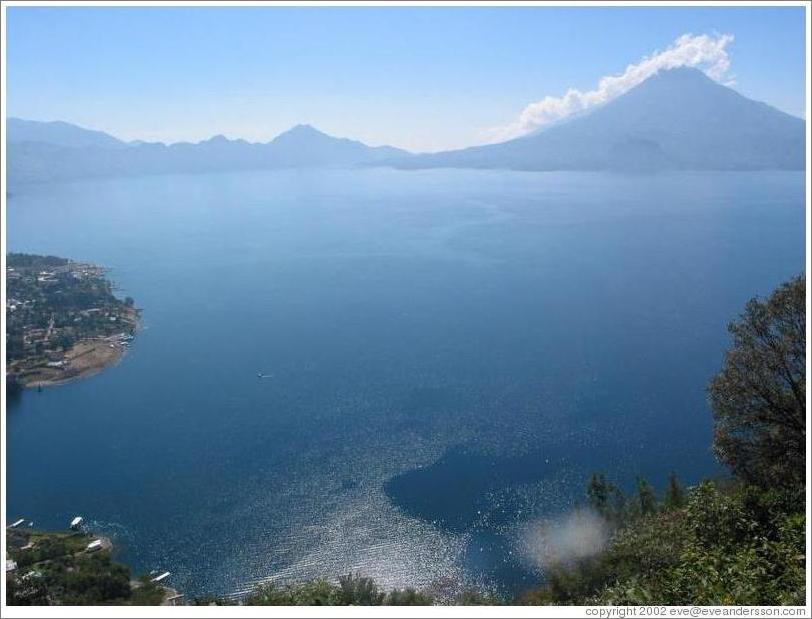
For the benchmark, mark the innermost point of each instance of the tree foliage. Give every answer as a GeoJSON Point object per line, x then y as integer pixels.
{"type": "Point", "coordinates": [606, 499]}
{"type": "Point", "coordinates": [646, 502]}
{"type": "Point", "coordinates": [727, 545]}
{"type": "Point", "coordinates": [759, 396]}
{"type": "Point", "coordinates": [674, 493]}
{"type": "Point", "coordinates": [350, 590]}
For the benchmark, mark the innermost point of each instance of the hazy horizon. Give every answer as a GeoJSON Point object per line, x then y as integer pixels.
{"type": "Point", "coordinates": [608, 92]}
{"type": "Point", "coordinates": [422, 79]}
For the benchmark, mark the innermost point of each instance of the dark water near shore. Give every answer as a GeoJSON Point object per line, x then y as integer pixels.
{"type": "Point", "coordinates": [452, 353]}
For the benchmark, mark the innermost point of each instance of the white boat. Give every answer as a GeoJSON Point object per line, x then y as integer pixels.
{"type": "Point", "coordinates": [16, 524]}
{"type": "Point", "coordinates": [96, 544]}
{"type": "Point", "coordinates": [76, 522]}
{"type": "Point", "coordinates": [161, 577]}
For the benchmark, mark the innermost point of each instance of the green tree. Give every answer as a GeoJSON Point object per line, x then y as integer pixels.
{"type": "Point", "coordinates": [472, 597]}
{"type": "Point", "coordinates": [357, 590]}
{"type": "Point", "coordinates": [408, 597]}
{"type": "Point", "coordinates": [759, 396]}
{"type": "Point", "coordinates": [606, 499]}
{"type": "Point", "coordinates": [597, 493]}
{"type": "Point", "coordinates": [674, 493]}
{"type": "Point", "coordinates": [646, 502]}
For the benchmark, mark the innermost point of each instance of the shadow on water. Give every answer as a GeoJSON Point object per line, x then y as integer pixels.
{"type": "Point", "coordinates": [478, 496]}
{"type": "Point", "coordinates": [456, 493]}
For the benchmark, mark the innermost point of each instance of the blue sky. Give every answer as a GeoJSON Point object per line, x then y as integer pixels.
{"type": "Point", "coordinates": [420, 78]}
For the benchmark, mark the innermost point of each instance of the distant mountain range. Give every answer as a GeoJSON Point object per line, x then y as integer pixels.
{"type": "Point", "coordinates": [676, 119]}
{"type": "Point", "coordinates": [59, 151]}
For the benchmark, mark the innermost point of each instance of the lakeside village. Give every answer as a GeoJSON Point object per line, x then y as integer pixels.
{"type": "Point", "coordinates": [63, 321]}
{"type": "Point", "coordinates": [75, 567]}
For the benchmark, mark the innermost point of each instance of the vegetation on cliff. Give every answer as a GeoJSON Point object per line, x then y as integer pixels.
{"type": "Point", "coordinates": [733, 541]}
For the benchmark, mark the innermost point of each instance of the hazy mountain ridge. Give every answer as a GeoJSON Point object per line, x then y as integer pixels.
{"type": "Point", "coordinates": [678, 119]}
{"type": "Point", "coordinates": [35, 156]}
{"type": "Point", "coordinates": [58, 133]}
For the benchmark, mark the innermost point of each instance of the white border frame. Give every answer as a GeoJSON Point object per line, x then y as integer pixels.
{"type": "Point", "coordinates": [384, 611]}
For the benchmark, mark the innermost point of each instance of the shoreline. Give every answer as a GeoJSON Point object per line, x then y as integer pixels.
{"type": "Point", "coordinates": [84, 359]}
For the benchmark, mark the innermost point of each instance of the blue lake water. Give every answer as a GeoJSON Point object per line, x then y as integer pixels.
{"type": "Point", "coordinates": [452, 353]}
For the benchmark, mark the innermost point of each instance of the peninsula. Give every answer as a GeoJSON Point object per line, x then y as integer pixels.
{"type": "Point", "coordinates": [63, 321]}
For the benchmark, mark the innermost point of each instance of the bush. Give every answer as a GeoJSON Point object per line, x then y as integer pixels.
{"type": "Point", "coordinates": [408, 597]}
{"type": "Point", "coordinates": [357, 590]}
{"type": "Point", "coordinates": [147, 593]}
{"type": "Point", "coordinates": [729, 544]}
{"type": "Point", "coordinates": [312, 593]}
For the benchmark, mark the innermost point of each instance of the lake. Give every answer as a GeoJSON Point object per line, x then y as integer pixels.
{"type": "Point", "coordinates": [451, 354]}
